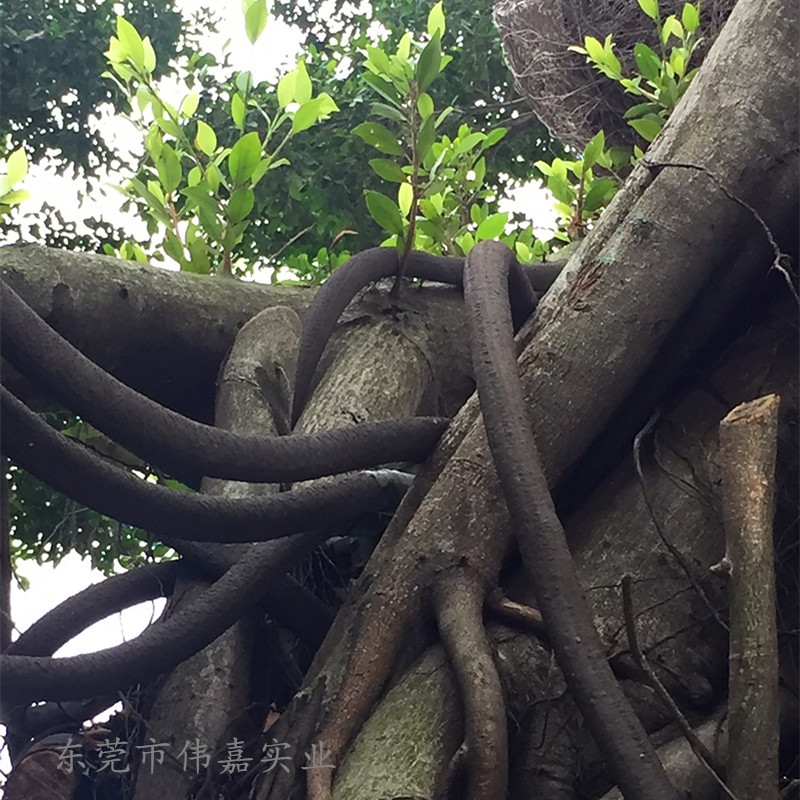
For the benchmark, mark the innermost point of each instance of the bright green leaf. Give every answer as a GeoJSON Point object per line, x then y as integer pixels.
{"type": "Point", "coordinates": [593, 150]}
{"type": "Point", "coordinates": [404, 47]}
{"type": "Point", "coordinates": [385, 212]}
{"type": "Point", "coordinates": [650, 7]}
{"type": "Point", "coordinates": [286, 87]}
{"type": "Point", "coordinates": [302, 86]}
{"type": "Point", "coordinates": [491, 227]}
{"type": "Point", "coordinates": [690, 18]}
{"type": "Point", "coordinates": [594, 49]}
{"type": "Point", "coordinates": [405, 198]}
{"type": "Point", "coordinates": [305, 116]}
{"type": "Point", "coordinates": [672, 27]}
{"type": "Point", "coordinates": [131, 42]}
{"type": "Point", "coordinates": [436, 22]}
{"type": "Point", "coordinates": [244, 157]}
{"type": "Point", "coordinates": [470, 141]}
{"type": "Point", "coordinates": [206, 139]}
{"type": "Point", "coordinates": [238, 111]}
{"type": "Point", "coordinates": [425, 105]}
{"type": "Point", "coordinates": [494, 136]}
{"type": "Point", "coordinates": [214, 177]}
{"type": "Point", "coordinates": [16, 166]}
{"type": "Point", "coordinates": [149, 55]}
{"type": "Point", "coordinates": [379, 59]}
{"type": "Point", "coordinates": [190, 103]}
{"type": "Point", "coordinates": [255, 20]}
{"type": "Point", "coordinates": [15, 198]}
{"type": "Point", "coordinates": [327, 106]}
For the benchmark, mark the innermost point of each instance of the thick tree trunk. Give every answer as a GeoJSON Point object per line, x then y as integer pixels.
{"type": "Point", "coordinates": [679, 262]}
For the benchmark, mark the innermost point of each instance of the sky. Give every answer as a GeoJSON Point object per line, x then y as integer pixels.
{"type": "Point", "coordinates": [274, 52]}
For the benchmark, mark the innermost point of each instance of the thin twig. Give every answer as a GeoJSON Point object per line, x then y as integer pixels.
{"type": "Point", "coordinates": [698, 748]}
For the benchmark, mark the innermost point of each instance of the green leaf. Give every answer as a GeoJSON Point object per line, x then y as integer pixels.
{"type": "Point", "coordinates": [425, 105]}
{"type": "Point", "coordinates": [130, 42]}
{"type": "Point", "coordinates": [327, 106]}
{"type": "Point", "coordinates": [198, 263]}
{"type": "Point", "coordinates": [306, 115]}
{"type": "Point", "coordinates": [494, 136]}
{"type": "Point", "coordinates": [379, 59]}
{"type": "Point", "coordinates": [206, 138]}
{"type": "Point", "coordinates": [383, 88]}
{"type": "Point", "coordinates": [491, 227]}
{"type": "Point", "coordinates": [385, 212]}
{"type": "Point", "coordinates": [672, 27]}
{"type": "Point", "coordinates": [240, 204]}
{"type": "Point", "coordinates": [678, 62]}
{"type": "Point", "coordinates": [302, 86]}
{"type": "Point", "coordinates": [169, 127]}
{"type": "Point", "coordinates": [405, 198]}
{"type": "Point", "coordinates": [650, 7]}
{"type": "Point", "coordinates": [173, 248]}
{"type": "Point", "coordinates": [593, 150]}
{"type": "Point", "coordinates": [286, 88]}
{"type": "Point", "coordinates": [149, 55]}
{"type": "Point", "coordinates": [640, 109]}
{"type": "Point", "coordinates": [404, 47]}
{"type": "Point", "coordinates": [600, 193]}
{"type": "Point", "coordinates": [647, 61]}
{"type": "Point", "coordinates": [214, 177]}
{"type": "Point", "coordinates": [244, 157]}
{"type": "Point", "coordinates": [387, 170]}
{"type": "Point", "coordinates": [190, 103]}
{"type": "Point", "coordinates": [594, 49]}
{"type": "Point", "coordinates": [16, 166]}
{"type": "Point", "coordinates": [561, 190]}
{"type": "Point", "coordinates": [169, 169]}
{"type": "Point", "coordinates": [255, 20]}
{"type": "Point", "coordinates": [470, 141]}
{"type": "Point", "coordinates": [426, 137]}
{"type": "Point", "coordinates": [387, 112]}
{"type": "Point", "coordinates": [380, 137]}
{"type": "Point", "coordinates": [244, 82]}
{"type": "Point", "coordinates": [648, 129]}
{"type": "Point", "coordinates": [436, 22]}
{"type": "Point", "coordinates": [16, 197]}
{"type": "Point", "coordinates": [690, 17]}
{"type": "Point", "coordinates": [261, 169]}
{"type": "Point", "coordinates": [428, 65]}
{"type": "Point", "coordinates": [238, 111]}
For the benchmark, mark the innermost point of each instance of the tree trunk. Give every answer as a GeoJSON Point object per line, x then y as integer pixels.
{"type": "Point", "coordinates": [675, 309]}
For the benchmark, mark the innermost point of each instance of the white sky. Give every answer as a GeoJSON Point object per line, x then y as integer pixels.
{"type": "Point", "coordinates": [275, 51]}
